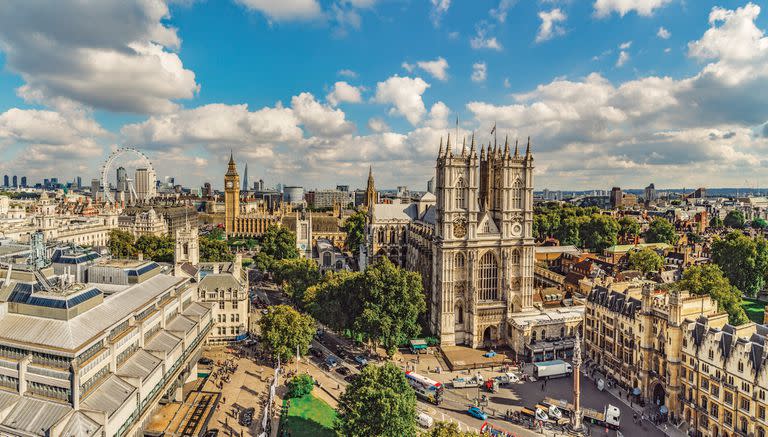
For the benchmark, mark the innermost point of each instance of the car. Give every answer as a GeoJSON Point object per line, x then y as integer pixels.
{"type": "Point", "coordinates": [477, 413]}
{"type": "Point", "coordinates": [331, 362]}
{"type": "Point", "coordinates": [351, 378]}
{"type": "Point", "coordinates": [361, 360]}
{"type": "Point", "coordinates": [343, 370]}
{"type": "Point", "coordinates": [317, 353]}
{"type": "Point", "coordinates": [205, 361]}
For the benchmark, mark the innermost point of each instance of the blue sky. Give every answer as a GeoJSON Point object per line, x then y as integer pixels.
{"type": "Point", "coordinates": [612, 92]}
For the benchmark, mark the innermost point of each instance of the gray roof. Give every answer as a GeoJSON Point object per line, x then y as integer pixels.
{"type": "Point", "coordinates": [162, 342]}
{"type": "Point", "coordinates": [80, 425]}
{"type": "Point", "coordinates": [429, 215]}
{"type": "Point", "coordinates": [197, 309]}
{"type": "Point", "coordinates": [395, 211]}
{"type": "Point", "coordinates": [220, 281]}
{"type": "Point", "coordinates": [180, 324]}
{"type": "Point", "coordinates": [109, 396]}
{"type": "Point", "coordinates": [140, 365]}
{"type": "Point", "coordinates": [35, 415]}
{"type": "Point", "coordinates": [77, 332]}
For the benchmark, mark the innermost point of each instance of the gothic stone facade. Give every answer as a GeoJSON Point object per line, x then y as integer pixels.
{"type": "Point", "coordinates": [474, 248]}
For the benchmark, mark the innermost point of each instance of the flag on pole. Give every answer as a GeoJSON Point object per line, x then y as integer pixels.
{"type": "Point", "coordinates": [494, 129]}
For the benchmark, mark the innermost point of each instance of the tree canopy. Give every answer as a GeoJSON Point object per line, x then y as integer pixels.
{"type": "Point", "coordinates": [629, 228]}
{"type": "Point", "coordinates": [383, 303]}
{"type": "Point", "coordinates": [279, 243]}
{"type": "Point", "coordinates": [759, 223]}
{"type": "Point", "coordinates": [296, 275]}
{"type": "Point", "coordinates": [378, 403]}
{"type": "Point", "coordinates": [599, 232]}
{"type": "Point", "coordinates": [214, 250]}
{"type": "Point", "coordinates": [661, 231]}
{"type": "Point", "coordinates": [646, 260]}
{"type": "Point", "coordinates": [354, 226]}
{"type": "Point", "coordinates": [708, 279]}
{"type": "Point", "coordinates": [743, 260]}
{"type": "Point", "coordinates": [448, 429]}
{"type": "Point", "coordinates": [121, 244]}
{"type": "Point", "coordinates": [282, 329]}
{"type": "Point", "coordinates": [716, 222]}
{"type": "Point", "coordinates": [734, 219]}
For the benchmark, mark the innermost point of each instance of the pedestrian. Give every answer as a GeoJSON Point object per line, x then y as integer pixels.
{"type": "Point", "coordinates": [542, 386]}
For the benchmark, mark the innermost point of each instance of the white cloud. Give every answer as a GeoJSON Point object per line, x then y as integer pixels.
{"type": "Point", "coordinates": [663, 33]}
{"type": "Point", "coordinates": [438, 116]}
{"type": "Point", "coordinates": [625, 45]}
{"type": "Point", "coordinates": [507, 83]}
{"type": "Point", "coordinates": [404, 94]}
{"type": "Point", "coordinates": [439, 8]}
{"type": "Point", "coordinates": [667, 50]}
{"type": "Point", "coordinates": [603, 8]}
{"type": "Point", "coordinates": [377, 124]}
{"type": "Point", "coordinates": [347, 73]}
{"type": "Point", "coordinates": [549, 27]}
{"type": "Point", "coordinates": [500, 12]}
{"type": "Point", "coordinates": [437, 68]}
{"type": "Point", "coordinates": [482, 41]}
{"type": "Point", "coordinates": [344, 92]}
{"type": "Point", "coordinates": [319, 119]}
{"type": "Point", "coordinates": [733, 36]}
{"type": "Point", "coordinates": [285, 10]}
{"type": "Point", "coordinates": [622, 59]}
{"type": "Point", "coordinates": [479, 72]}
{"type": "Point", "coordinates": [111, 55]}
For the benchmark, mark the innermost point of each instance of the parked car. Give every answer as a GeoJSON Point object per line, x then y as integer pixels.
{"type": "Point", "coordinates": [331, 362]}
{"type": "Point", "coordinates": [205, 361]}
{"type": "Point", "coordinates": [351, 378]}
{"type": "Point", "coordinates": [361, 360]}
{"type": "Point", "coordinates": [477, 413]}
{"type": "Point", "coordinates": [343, 370]}
{"type": "Point", "coordinates": [316, 352]}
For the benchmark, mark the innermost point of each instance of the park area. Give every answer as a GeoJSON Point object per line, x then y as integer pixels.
{"type": "Point", "coordinates": [754, 309]}
{"type": "Point", "coordinates": [308, 416]}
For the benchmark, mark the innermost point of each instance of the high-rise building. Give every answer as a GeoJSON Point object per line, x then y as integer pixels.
{"type": "Point", "coordinates": [258, 185]}
{"type": "Point", "coordinates": [24, 181]}
{"type": "Point", "coordinates": [144, 184]}
{"type": "Point", "coordinates": [616, 197]}
{"type": "Point", "coordinates": [122, 180]}
{"type": "Point", "coordinates": [6, 181]}
{"type": "Point", "coordinates": [15, 181]}
{"type": "Point", "coordinates": [78, 182]}
{"type": "Point", "coordinates": [650, 194]}
{"type": "Point", "coordinates": [245, 178]}
{"type": "Point", "coordinates": [344, 188]}
{"type": "Point", "coordinates": [95, 185]}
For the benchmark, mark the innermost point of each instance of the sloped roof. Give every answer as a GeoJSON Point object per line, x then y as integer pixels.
{"type": "Point", "coordinates": [395, 211]}
{"type": "Point", "coordinates": [35, 416]}
{"type": "Point", "coordinates": [80, 425]}
{"type": "Point", "coordinates": [140, 365]}
{"type": "Point", "coordinates": [110, 395]}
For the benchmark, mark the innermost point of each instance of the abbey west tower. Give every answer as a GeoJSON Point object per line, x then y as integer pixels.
{"type": "Point", "coordinates": [483, 247]}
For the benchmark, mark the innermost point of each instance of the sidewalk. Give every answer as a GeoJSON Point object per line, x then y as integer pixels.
{"type": "Point", "coordinates": [666, 428]}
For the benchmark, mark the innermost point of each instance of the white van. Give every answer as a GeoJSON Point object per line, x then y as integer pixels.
{"type": "Point", "coordinates": [425, 420]}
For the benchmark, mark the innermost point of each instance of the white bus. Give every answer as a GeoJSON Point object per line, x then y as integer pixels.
{"type": "Point", "coordinates": [425, 388]}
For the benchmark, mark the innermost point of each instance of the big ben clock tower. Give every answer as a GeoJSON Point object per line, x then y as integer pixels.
{"type": "Point", "coordinates": [231, 198]}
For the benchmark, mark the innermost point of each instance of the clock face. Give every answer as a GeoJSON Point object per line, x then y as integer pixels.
{"type": "Point", "coordinates": [459, 228]}
{"type": "Point", "coordinates": [229, 184]}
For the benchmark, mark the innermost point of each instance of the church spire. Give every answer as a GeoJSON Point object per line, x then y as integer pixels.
{"type": "Point", "coordinates": [517, 152]}
{"type": "Point", "coordinates": [482, 151]}
{"type": "Point", "coordinates": [528, 149]}
{"type": "Point", "coordinates": [464, 147]}
{"type": "Point", "coordinates": [440, 152]}
{"type": "Point", "coordinates": [231, 167]}
{"type": "Point", "coordinates": [448, 152]}
{"type": "Point", "coordinates": [506, 146]}
{"type": "Point", "coordinates": [472, 145]}
{"type": "Point", "coordinates": [370, 190]}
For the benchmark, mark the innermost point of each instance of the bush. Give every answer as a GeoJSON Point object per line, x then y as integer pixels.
{"type": "Point", "coordinates": [300, 385]}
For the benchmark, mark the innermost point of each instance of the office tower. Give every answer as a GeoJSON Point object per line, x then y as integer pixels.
{"type": "Point", "coordinates": [245, 178]}
{"type": "Point", "coordinates": [15, 181]}
{"type": "Point", "coordinates": [144, 183]}
{"type": "Point", "coordinates": [24, 181]}
{"type": "Point", "coordinates": [95, 184]}
{"type": "Point", "coordinates": [6, 181]}
{"type": "Point", "coordinates": [122, 180]}
{"type": "Point", "coordinates": [79, 182]}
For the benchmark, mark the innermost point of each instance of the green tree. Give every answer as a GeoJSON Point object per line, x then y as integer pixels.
{"type": "Point", "coordinates": [283, 330]}
{"type": "Point", "coordinates": [378, 403]}
{"type": "Point", "coordinates": [263, 262]}
{"type": "Point", "coordinates": [629, 228]}
{"type": "Point", "coordinates": [646, 260]}
{"type": "Point", "coordinates": [392, 301]}
{"type": "Point", "coordinates": [354, 226]}
{"type": "Point", "coordinates": [214, 250]}
{"type": "Point", "coordinates": [121, 244]}
{"type": "Point", "coordinates": [279, 243]}
{"type": "Point", "coordinates": [156, 248]}
{"type": "Point", "coordinates": [337, 301]}
{"type": "Point", "coordinates": [734, 219]}
{"type": "Point", "coordinates": [569, 230]}
{"type": "Point", "coordinates": [716, 222]}
{"type": "Point", "coordinates": [300, 385]}
{"type": "Point", "coordinates": [743, 260]}
{"type": "Point", "coordinates": [599, 232]}
{"type": "Point", "coordinates": [217, 233]}
{"type": "Point", "coordinates": [661, 231]}
{"type": "Point", "coordinates": [759, 223]}
{"type": "Point", "coordinates": [448, 429]}
{"type": "Point", "coordinates": [296, 275]}
{"type": "Point", "coordinates": [708, 279]}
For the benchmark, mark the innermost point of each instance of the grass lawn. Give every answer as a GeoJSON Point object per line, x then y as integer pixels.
{"type": "Point", "coordinates": [311, 417]}
{"type": "Point", "coordinates": [754, 309]}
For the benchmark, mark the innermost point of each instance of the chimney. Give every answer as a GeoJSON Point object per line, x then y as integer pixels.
{"type": "Point", "coordinates": [237, 267]}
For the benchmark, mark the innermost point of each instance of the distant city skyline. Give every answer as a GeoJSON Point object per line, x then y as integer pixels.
{"type": "Point", "coordinates": [611, 92]}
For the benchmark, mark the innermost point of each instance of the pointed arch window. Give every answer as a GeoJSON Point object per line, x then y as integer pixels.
{"type": "Point", "coordinates": [461, 194]}
{"type": "Point", "coordinates": [517, 194]}
{"type": "Point", "coordinates": [489, 277]}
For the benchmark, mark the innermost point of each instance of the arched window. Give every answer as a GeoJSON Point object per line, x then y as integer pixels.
{"type": "Point", "coordinates": [533, 336]}
{"type": "Point", "coordinates": [460, 314]}
{"type": "Point", "coordinates": [459, 264]}
{"type": "Point", "coordinates": [498, 192]}
{"type": "Point", "coordinates": [489, 277]}
{"type": "Point", "coordinates": [461, 194]}
{"type": "Point", "coordinates": [515, 258]}
{"type": "Point", "coordinates": [517, 194]}
{"type": "Point", "coordinates": [562, 331]}
{"type": "Point", "coordinates": [326, 259]}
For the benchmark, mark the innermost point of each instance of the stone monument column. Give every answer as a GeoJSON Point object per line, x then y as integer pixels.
{"type": "Point", "coordinates": [576, 419]}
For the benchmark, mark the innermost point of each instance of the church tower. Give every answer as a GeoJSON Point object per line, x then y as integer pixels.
{"type": "Point", "coordinates": [187, 248]}
{"type": "Point", "coordinates": [483, 243]}
{"type": "Point", "coordinates": [370, 191]}
{"type": "Point", "coordinates": [231, 197]}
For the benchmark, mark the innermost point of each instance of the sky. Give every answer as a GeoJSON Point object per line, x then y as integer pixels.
{"type": "Point", "coordinates": [313, 92]}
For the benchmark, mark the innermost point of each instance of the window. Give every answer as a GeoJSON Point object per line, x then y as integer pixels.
{"type": "Point", "coordinates": [728, 399]}
{"type": "Point", "coordinates": [761, 412]}
{"type": "Point", "coordinates": [711, 355]}
{"type": "Point", "coordinates": [728, 418]}
{"type": "Point", "coordinates": [741, 366]}
{"type": "Point", "coordinates": [760, 432]}
{"type": "Point", "coordinates": [489, 279]}
{"type": "Point", "coordinates": [745, 387]}
{"type": "Point", "coordinates": [745, 404]}
{"type": "Point", "coordinates": [233, 330]}
{"type": "Point", "coordinates": [221, 305]}
{"type": "Point", "coordinates": [744, 425]}
{"type": "Point", "coordinates": [715, 391]}
{"type": "Point", "coordinates": [232, 318]}
{"type": "Point", "coordinates": [517, 194]}
{"type": "Point", "coordinates": [234, 304]}
{"type": "Point", "coordinates": [461, 194]}
{"type": "Point", "coordinates": [714, 411]}
{"type": "Point", "coordinates": [460, 314]}
{"type": "Point", "coordinates": [459, 261]}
